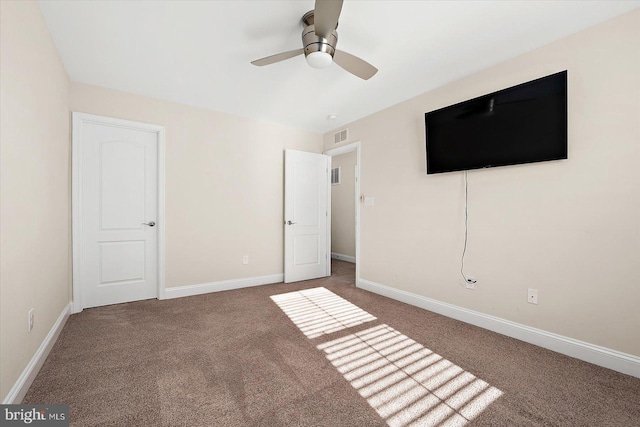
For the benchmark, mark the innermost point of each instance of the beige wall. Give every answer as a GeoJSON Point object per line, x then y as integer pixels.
{"type": "Point", "coordinates": [224, 184]}
{"type": "Point", "coordinates": [567, 228]}
{"type": "Point", "coordinates": [34, 186]}
{"type": "Point", "coordinates": [343, 210]}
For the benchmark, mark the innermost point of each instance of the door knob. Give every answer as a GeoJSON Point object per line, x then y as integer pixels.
{"type": "Point", "coordinates": [150, 223]}
{"type": "Point", "coordinates": [289, 223]}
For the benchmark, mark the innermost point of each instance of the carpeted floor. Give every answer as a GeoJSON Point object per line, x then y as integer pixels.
{"type": "Point", "coordinates": [337, 356]}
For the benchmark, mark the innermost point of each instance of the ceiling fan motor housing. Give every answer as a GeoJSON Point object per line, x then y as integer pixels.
{"type": "Point", "coordinates": [314, 43]}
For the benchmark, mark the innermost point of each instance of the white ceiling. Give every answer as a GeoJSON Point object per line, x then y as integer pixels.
{"type": "Point", "coordinates": [199, 53]}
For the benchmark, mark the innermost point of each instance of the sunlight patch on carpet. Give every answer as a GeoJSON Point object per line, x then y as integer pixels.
{"type": "Point", "coordinates": [406, 383]}
{"type": "Point", "coordinates": [319, 311]}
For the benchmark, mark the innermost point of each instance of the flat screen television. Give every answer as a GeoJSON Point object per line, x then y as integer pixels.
{"type": "Point", "coordinates": [522, 124]}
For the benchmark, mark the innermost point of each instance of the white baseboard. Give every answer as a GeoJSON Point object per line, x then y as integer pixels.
{"type": "Point", "coordinates": [341, 257]}
{"type": "Point", "coordinates": [20, 388]}
{"type": "Point", "coordinates": [601, 356]}
{"type": "Point", "coordinates": [223, 285]}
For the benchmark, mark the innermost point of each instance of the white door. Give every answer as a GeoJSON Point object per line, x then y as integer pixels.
{"type": "Point", "coordinates": [306, 206]}
{"type": "Point", "coordinates": [118, 190]}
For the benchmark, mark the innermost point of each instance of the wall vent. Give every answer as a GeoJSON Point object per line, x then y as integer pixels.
{"type": "Point", "coordinates": [335, 176]}
{"type": "Point", "coordinates": [341, 136]}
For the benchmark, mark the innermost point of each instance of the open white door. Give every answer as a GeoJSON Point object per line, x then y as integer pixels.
{"type": "Point", "coordinates": [306, 206]}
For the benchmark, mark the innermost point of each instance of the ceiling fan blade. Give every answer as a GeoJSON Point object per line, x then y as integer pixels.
{"type": "Point", "coordinates": [356, 66]}
{"type": "Point", "coordinates": [326, 14]}
{"type": "Point", "coordinates": [277, 57]}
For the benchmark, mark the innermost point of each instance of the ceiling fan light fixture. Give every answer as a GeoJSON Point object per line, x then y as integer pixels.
{"type": "Point", "coordinates": [319, 44]}
{"type": "Point", "coordinates": [319, 59]}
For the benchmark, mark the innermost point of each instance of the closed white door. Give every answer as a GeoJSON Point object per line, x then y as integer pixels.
{"type": "Point", "coordinates": [118, 181]}
{"type": "Point", "coordinates": [306, 200]}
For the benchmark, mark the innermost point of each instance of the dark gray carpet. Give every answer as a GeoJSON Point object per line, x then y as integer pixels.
{"type": "Point", "coordinates": [236, 359]}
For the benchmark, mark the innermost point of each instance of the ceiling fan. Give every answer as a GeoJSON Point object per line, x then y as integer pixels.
{"type": "Point", "coordinates": [319, 41]}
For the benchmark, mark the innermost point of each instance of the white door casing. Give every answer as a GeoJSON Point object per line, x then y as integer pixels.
{"type": "Point", "coordinates": [306, 208]}
{"type": "Point", "coordinates": [118, 211]}
{"type": "Point", "coordinates": [354, 146]}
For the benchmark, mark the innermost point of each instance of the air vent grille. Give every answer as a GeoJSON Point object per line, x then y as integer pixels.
{"type": "Point", "coordinates": [335, 176]}
{"type": "Point", "coordinates": [341, 136]}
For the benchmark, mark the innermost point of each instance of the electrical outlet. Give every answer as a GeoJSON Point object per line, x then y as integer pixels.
{"type": "Point", "coordinates": [532, 296]}
{"type": "Point", "coordinates": [245, 259]}
{"type": "Point", "coordinates": [469, 283]}
{"type": "Point", "coordinates": [30, 324]}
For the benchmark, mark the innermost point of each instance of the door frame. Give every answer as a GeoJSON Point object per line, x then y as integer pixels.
{"type": "Point", "coordinates": [354, 146]}
{"type": "Point", "coordinates": [78, 119]}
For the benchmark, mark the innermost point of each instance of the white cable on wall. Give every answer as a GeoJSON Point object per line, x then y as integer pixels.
{"type": "Point", "coordinates": [466, 228]}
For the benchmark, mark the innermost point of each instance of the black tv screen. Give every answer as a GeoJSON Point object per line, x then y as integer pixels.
{"type": "Point", "coordinates": [522, 124]}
